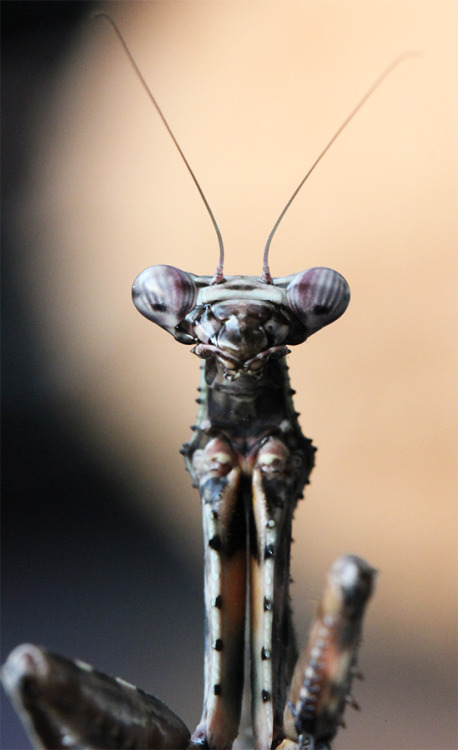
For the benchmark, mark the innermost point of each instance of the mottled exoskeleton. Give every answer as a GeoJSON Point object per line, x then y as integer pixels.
{"type": "Point", "coordinates": [250, 461]}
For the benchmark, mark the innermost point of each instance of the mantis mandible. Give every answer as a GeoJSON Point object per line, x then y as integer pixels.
{"type": "Point", "coordinates": [250, 462]}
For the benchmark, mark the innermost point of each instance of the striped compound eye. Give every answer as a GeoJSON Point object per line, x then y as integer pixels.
{"type": "Point", "coordinates": [165, 295]}
{"type": "Point", "coordinates": [317, 297]}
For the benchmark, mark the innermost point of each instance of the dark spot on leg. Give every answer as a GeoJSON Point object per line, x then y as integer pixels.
{"type": "Point", "coordinates": [215, 543]}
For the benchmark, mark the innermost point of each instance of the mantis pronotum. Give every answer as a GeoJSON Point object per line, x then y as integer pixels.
{"type": "Point", "coordinates": [253, 431]}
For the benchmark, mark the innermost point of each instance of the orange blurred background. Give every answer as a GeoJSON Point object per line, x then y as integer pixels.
{"type": "Point", "coordinates": [253, 92]}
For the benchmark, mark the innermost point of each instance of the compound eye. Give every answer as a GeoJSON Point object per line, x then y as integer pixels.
{"type": "Point", "coordinates": [317, 297]}
{"type": "Point", "coordinates": [165, 295]}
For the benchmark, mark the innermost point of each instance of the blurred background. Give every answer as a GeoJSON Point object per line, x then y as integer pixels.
{"type": "Point", "coordinates": [102, 540]}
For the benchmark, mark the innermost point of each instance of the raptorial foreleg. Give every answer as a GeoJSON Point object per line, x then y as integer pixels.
{"type": "Point", "coordinates": [279, 475]}
{"type": "Point", "coordinates": [215, 471]}
{"type": "Point", "coordinates": [66, 704]}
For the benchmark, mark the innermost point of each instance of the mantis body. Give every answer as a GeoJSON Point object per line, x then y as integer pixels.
{"type": "Point", "coordinates": [250, 462]}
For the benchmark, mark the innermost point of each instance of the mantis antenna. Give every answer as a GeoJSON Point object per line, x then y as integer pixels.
{"type": "Point", "coordinates": [265, 269]}
{"type": "Point", "coordinates": [266, 275]}
{"type": "Point", "coordinates": [219, 271]}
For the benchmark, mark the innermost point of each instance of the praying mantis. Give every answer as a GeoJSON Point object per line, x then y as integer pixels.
{"type": "Point", "coordinates": [250, 462]}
